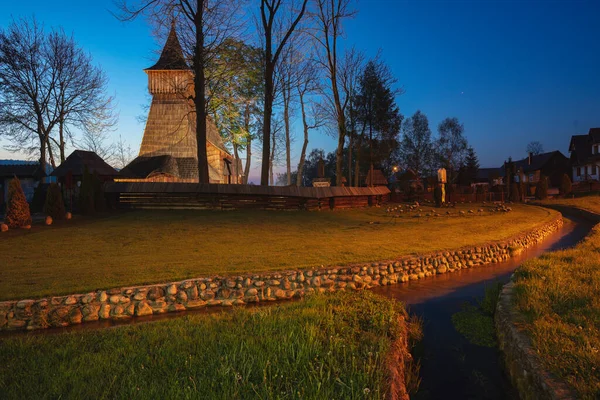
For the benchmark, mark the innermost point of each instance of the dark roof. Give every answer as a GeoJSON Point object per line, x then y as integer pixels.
{"type": "Point", "coordinates": [81, 158]}
{"type": "Point", "coordinates": [28, 170]}
{"type": "Point", "coordinates": [171, 57]}
{"type": "Point", "coordinates": [581, 147]}
{"type": "Point", "coordinates": [182, 167]}
{"type": "Point", "coordinates": [487, 174]}
{"type": "Point", "coordinates": [594, 134]}
{"type": "Point", "coordinates": [537, 162]}
{"type": "Point", "coordinates": [378, 178]}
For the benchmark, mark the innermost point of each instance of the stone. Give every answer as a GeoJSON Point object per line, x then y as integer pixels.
{"type": "Point", "coordinates": [259, 284]}
{"type": "Point", "coordinates": [48, 220]}
{"type": "Point", "coordinates": [68, 215]}
{"type": "Point", "coordinates": [3, 227]}
{"type": "Point", "coordinates": [70, 300]}
{"type": "Point", "coordinates": [193, 293]}
{"type": "Point", "coordinates": [118, 311]}
{"type": "Point", "coordinates": [182, 296]}
{"type": "Point", "coordinates": [442, 269]}
{"type": "Point", "coordinates": [90, 312]}
{"type": "Point", "coordinates": [102, 296]}
{"type": "Point", "coordinates": [155, 293]}
{"type": "Point", "coordinates": [104, 311]}
{"type": "Point", "coordinates": [251, 292]}
{"type": "Point", "coordinates": [141, 295]}
{"type": "Point", "coordinates": [191, 304]}
{"type": "Point", "coordinates": [114, 299]}
{"type": "Point", "coordinates": [143, 308]}
{"type": "Point", "coordinates": [280, 294]}
{"type": "Point", "coordinates": [172, 290]}
{"type": "Point", "coordinates": [25, 304]}
{"type": "Point", "coordinates": [88, 298]}
{"type": "Point", "coordinates": [75, 316]}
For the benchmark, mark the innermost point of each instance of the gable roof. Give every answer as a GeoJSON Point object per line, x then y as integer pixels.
{"type": "Point", "coordinates": [537, 162]}
{"type": "Point", "coordinates": [171, 58]}
{"type": "Point", "coordinates": [22, 170]}
{"type": "Point", "coordinates": [78, 159]}
{"type": "Point", "coordinates": [378, 178]}
{"type": "Point", "coordinates": [182, 167]}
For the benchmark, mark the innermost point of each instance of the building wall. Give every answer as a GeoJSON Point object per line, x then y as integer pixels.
{"type": "Point", "coordinates": [585, 172]}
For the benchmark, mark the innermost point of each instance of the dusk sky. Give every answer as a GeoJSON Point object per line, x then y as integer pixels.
{"type": "Point", "coordinates": [511, 71]}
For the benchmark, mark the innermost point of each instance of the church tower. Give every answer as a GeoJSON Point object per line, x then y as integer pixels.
{"type": "Point", "coordinates": [168, 152]}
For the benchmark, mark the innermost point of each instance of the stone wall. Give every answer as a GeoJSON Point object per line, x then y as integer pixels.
{"type": "Point", "coordinates": [522, 364]}
{"type": "Point", "coordinates": [128, 302]}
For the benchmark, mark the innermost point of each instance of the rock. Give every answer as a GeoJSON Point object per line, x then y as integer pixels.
{"type": "Point", "coordinates": [90, 312]}
{"type": "Point", "coordinates": [88, 298]}
{"type": "Point", "coordinates": [48, 220]}
{"type": "Point", "coordinates": [141, 295]}
{"type": "Point", "coordinates": [156, 293]}
{"type": "Point", "coordinates": [3, 227]}
{"type": "Point", "coordinates": [442, 269]}
{"type": "Point", "coordinates": [70, 300]}
{"type": "Point", "coordinates": [194, 304]}
{"type": "Point", "coordinates": [68, 215]}
{"type": "Point", "coordinates": [143, 308]}
{"type": "Point", "coordinates": [182, 296]}
{"type": "Point", "coordinates": [102, 296]}
{"type": "Point", "coordinates": [114, 299]}
{"type": "Point", "coordinates": [252, 292]}
{"type": "Point", "coordinates": [280, 294]}
{"type": "Point", "coordinates": [172, 290]}
{"type": "Point", "coordinates": [75, 316]}
{"type": "Point", "coordinates": [104, 311]}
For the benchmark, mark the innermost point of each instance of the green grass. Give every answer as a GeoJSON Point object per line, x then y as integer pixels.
{"type": "Point", "coordinates": [160, 246]}
{"type": "Point", "coordinates": [559, 295]}
{"type": "Point", "coordinates": [326, 347]}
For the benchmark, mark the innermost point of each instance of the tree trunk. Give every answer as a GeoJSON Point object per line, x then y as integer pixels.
{"type": "Point", "coordinates": [199, 95]}
{"type": "Point", "coordinates": [61, 137]}
{"type": "Point", "coordinates": [50, 154]}
{"type": "Point", "coordinates": [286, 119]}
{"type": "Point", "coordinates": [248, 144]}
{"type": "Point", "coordinates": [42, 152]}
{"type": "Point", "coordinates": [304, 144]}
{"type": "Point", "coordinates": [272, 161]}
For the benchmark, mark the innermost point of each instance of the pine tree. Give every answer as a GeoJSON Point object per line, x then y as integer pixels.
{"type": "Point", "coordinates": [471, 165]}
{"type": "Point", "coordinates": [54, 206]}
{"type": "Point", "coordinates": [86, 193]}
{"type": "Point", "coordinates": [565, 185]}
{"type": "Point", "coordinates": [17, 212]}
{"type": "Point", "coordinates": [541, 190]}
{"type": "Point", "coordinates": [99, 199]}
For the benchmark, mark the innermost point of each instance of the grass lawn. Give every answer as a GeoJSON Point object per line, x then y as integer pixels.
{"type": "Point", "coordinates": [159, 246]}
{"type": "Point", "coordinates": [559, 294]}
{"type": "Point", "coordinates": [326, 347]}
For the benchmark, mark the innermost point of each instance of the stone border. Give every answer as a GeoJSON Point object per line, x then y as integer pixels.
{"type": "Point", "coordinates": [524, 367]}
{"type": "Point", "coordinates": [127, 302]}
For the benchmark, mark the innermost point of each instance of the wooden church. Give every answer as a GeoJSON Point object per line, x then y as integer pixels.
{"type": "Point", "coordinates": [168, 150]}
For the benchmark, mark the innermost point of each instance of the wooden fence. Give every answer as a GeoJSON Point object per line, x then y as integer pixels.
{"type": "Point", "coordinates": [163, 195]}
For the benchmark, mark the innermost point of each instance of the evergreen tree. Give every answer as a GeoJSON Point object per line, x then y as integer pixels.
{"type": "Point", "coordinates": [54, 205]}
{"type": "Point", "coordinates": [86, 193]}
{"type": "Point", "coordinates": [99, 198]}
{"type": "Point", "coordinates": [565, 185]}
{"type": "Point", "coordinates": [541, 190]}
{"type": "Point", "coordinates": [471, 165]}
{"type": "Point", "coordinates": [17, 212]}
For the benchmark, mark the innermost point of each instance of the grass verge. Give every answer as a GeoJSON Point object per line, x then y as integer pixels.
{"type": "Point", "coordinates": [161, 246]}
{"type": "Point", "coordinates": [559, 296]}
{"type": "Point", "coordinates": [326, 347]}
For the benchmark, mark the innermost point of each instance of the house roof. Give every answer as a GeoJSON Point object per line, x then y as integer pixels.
{"type": "Point", "coordinates": [537, 162]}
{"type": "Point", "coordinates": [486, 174]}
{"type": "Point", "coordinates": [378, 178]}
{"type": "Point", "coordinates": [183, 167]}
{"type": "Point", "coordinates": [22, 170]}
{"type": "Point", "coordinates": [78, 159]}
{"type": "Point", "coordinates": [581, 147]}
{"type": "Point", "coordinates": [171, 57]}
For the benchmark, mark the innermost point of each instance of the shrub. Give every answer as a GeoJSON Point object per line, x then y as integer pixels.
{"type": "Point", "coordinates": [515, 195]}
{"type": "Point", "coordinates": [541, 190]}
{"type": "Point", "coordinates": [39, 198]}
{"type": "Point", "coordinates": [565, 185]}
{"type": "Point", "coordinates": [86, 193]}
{"type": "Point", "coordinates": [17, 211]}
{"type": "Point", "coordinates": [437, 196]}
{"type": "Point", "coordinates": [99, 198]}
{"type": "Point", "coordinates": [54, 206]}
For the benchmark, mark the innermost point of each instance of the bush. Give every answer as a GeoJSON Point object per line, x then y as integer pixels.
{"type": "Point", "coordinates": [39, 198]}
{"type": "Point", "coordinates": [54, 206]}
{"type": "Point", "coordinates": [515, 195]}
{"type": "Point", "coordinates": [541, 190]}
{"type": "Point", "coordinates": [565, 185]}
{"type": "Point", "coordinates": [86, 193]}
{"type": "Point", "coordinates": [17, 211]}
{"type": "Point", "coordinates": [99, 198]}
{"type": "Point", "coordinates": [437, 196]}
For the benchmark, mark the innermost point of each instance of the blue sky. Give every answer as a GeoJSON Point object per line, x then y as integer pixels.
{"type": "Point", "coordinates": [511, 71]}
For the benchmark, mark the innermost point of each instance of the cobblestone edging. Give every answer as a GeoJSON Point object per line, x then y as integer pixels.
{"type": "Point", "coordinates": [522, 363]}
{"type": "Point", "coordinates": [127, 302]}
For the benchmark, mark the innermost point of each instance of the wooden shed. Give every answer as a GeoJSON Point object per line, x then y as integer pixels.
{"type": "Point", "coordinates": [77, 161]}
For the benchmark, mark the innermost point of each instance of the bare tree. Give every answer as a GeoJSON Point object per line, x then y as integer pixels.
{"type": "Point", "coordinates": [452, 146]}
{"type": "Point", "coordinates": [79, 93]}
{"type": "Point", "coordinates": [99, 142]}
{"type": "Point", "coordinates": [329, 16]}
{"type": "Point", "coordinates": [535, 148]}
{"type": "Point", "coordinates": [203, 26]}
{"type": "Point", "coordinates": [123, 154]}
{"type": "Point", "coordinates": [27, 80]}
{"type": "Point", "coordinates": [278, 25]}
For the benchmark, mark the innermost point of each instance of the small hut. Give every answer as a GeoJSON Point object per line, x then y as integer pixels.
{"type": "Point", "coordinates": [75, 164]}
{"type": "Point", "coordinates": [377, 178]}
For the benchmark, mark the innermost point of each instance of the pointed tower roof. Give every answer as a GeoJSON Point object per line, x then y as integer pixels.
{"type": "Point", "coordinates": [171, 57]}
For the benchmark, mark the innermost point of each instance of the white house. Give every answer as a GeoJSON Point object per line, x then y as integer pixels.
{"type": "Point", "coordinates": [585, 156]}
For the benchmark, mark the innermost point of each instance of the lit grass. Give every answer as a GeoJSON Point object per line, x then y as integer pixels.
{"type": "Point", "coordinates": [326, 347]}
{"type": "Point", "coordinates": [160, 246]}
{"type": "Point", "coordinates": [559, 295]}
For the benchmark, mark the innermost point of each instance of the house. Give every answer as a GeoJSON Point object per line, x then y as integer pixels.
{"type": "Point", "coordinates": [489, 176]}
{"type": "Point", "coordinates": [553, 165]}
{"type": "Point", "coordinates": [29, 173]}
{"type": "Point", "coordinates": [168, 152]}
{"type": "Point", "coordinates": [73, 167]}
{"type": "Point", "coordinates": [377, 179]}
{"type": "Point", "coordinates": [585, 156]}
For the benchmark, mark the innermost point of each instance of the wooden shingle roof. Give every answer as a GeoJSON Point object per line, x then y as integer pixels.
{"type": "Point", "coordinates": [171, 58]}
{"type": "Point", "coordinates": [77, 161]}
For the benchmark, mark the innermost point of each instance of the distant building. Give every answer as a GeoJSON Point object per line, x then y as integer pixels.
{"type": "Point", "coordinates": [378, 179]}
{"type": "Point", "coordinates": [75, 164]}
{"type": "Point", "coordinates": [553, 165]}
{"type": "Point", "coordinates": [169, 152]}
{"type": "Point", "coordinates": [490, 176]}
{"type": "Point", "coordinates": [29, 174]}
{"type": "Point", "coordinates": [585, 156]}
